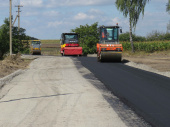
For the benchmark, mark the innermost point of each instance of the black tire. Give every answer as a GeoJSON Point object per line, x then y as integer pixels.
{"type": "Point", "coordinates": [98, 59]}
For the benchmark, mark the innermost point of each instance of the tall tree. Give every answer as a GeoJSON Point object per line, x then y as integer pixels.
{"type": "Point", "coordinates": [168, 10]}
{"type": "Point", "coordinates": [133, 9]}
{"type": "Point", "coordinates": [17, 44]}
{"type": "Point", "coordinates": [168, 6]}
{"type": "Point", "coordinates": [4, 38]}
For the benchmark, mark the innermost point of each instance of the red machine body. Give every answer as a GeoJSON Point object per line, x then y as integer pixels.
{"type": "Point", "coordinates": [70, 45]}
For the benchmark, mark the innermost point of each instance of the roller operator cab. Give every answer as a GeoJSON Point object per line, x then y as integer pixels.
{"type": "Point", "coordinates": [70, 44]}
{"type": "Point", "coordinates": [108, 48]}
{"type": "Point", "coordinates": [35, 47]}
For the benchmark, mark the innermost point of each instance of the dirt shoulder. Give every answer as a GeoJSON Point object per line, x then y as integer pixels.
{"type": "Point", "coordinates": [12, 64]}
{"type": "Point", "coordinates": [158, 60]}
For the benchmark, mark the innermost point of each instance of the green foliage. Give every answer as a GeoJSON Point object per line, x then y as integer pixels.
{"type": "Point", "coordinates": [131, 8]}
{"type": "Point", "coordinates": [4, 38]}
{"type": "Point", "coordinates": [158, 36]}
{"type": "Point", "coordinates": [148, 46]}
{"type": "Point", "coordinates": [153, 36]}
{"type": "Point", "coordinates": [17, 44]}
{"type": "Point", "coordinates": [17, 37]}
{"type": "Point", "coordinates": [167, 36]}
{"type": "Point", "coordinates": [125, 37]}
{"type": "Point", "coordinates": [88, 37]}
{"type": "Point", "coordinates": [168, 6]}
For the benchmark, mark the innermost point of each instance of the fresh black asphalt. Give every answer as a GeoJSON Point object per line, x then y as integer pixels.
{"type": "Point", "coordinates": [145, 92]}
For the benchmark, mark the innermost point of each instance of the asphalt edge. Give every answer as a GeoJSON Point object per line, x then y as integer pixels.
{"type": "Point", "coordinates": [8, 78]}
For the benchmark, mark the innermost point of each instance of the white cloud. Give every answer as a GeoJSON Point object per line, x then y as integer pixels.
{"type": "Point", "coordinates": [54, 24]}
{"type": "Point", "coordinates": [116, 20]}
{"type": "Point", "coordinates": [4, 4]}
{"type": "Point", "coordinates": [83, 16]}
{"type": "Point", "coordinates": [51, 13]}
{"type": "Point", "coordinates": [95, 12]}
{"type": "Point", "coordinates": [34, 3]}
{"type": "Point", "coordinates": [113, 21]}
{"type": "Point", "coordinates": [160, 0]}
{"type": "Point", "coordinates": [31, 13]}
{"type": "Point", "coordinates": [54, 3]}
{"type": "Point", "coordinates": [92, 14]}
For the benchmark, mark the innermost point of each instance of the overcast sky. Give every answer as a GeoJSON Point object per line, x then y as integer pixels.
{"type": "Point", "coordinates": [47, 19]}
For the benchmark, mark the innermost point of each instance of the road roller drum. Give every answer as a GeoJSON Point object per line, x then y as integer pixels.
{"type": "Point", "coordinates": [110, 56]}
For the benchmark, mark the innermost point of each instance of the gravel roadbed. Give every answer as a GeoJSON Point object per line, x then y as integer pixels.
{"type": "Point", "coordinates": [147, 68]}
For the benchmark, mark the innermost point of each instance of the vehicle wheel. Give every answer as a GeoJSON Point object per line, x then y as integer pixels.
{"type": "Point", "coordinates": [99, 58]}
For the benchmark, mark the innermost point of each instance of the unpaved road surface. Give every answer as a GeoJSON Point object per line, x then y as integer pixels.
{"type": "Point", "coordinates": [60, 92]}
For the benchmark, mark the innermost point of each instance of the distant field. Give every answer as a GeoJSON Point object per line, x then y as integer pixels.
{"type": "Point", "coordinates": [50, 47]}
{"type": "Point", "coordinates": [50, 41]}
{"type": "Point", "coordinates": [51, 51]}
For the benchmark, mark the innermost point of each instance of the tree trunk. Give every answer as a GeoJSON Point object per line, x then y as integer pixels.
{"type": "Point", "coordinates": [130, 34]}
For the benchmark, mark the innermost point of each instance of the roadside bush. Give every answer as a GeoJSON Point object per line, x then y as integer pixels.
{"type": "Point", "coordinates": [158, 36]}
{"type": "Point", "coordinates": [88, 37]}
{"type": "Point", "coordinates": [153, 36]}
{"type": "Point", "coordinates": [125, 37]}
{"type": "Point", "coordinates": [167, 36]}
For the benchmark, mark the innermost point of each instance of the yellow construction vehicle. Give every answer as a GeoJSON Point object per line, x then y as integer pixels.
{"type": "Point", "coordinates": [35, 47]}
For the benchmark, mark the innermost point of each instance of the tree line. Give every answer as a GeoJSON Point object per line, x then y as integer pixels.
{"type": "Point", "coordinates": [17, 37]}
{"type": "Point", "coordinates": [153, 36]}
{"type": "Point", "coordinates": [89, 37]}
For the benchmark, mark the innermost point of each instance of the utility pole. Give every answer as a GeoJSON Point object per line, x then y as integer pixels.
{"type": "Point", "coordinates": [10, 26]}
{"type": "Point", "coordinates": [19, 6]}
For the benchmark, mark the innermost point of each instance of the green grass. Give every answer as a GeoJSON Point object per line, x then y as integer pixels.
{"type": "Point", "coordinates": [50, 41]}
